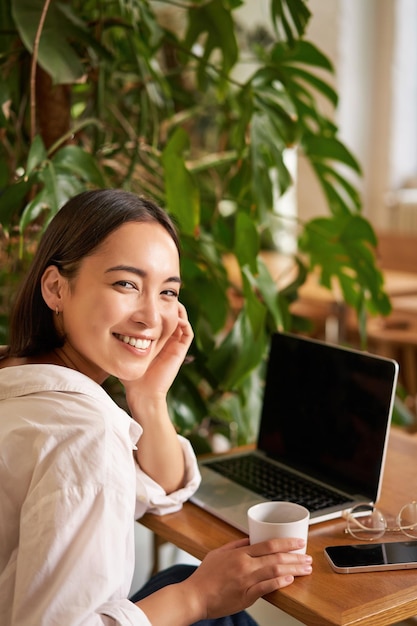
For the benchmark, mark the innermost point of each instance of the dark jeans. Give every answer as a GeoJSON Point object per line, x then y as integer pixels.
{"type": "Point", "coordinates": [176, 574]}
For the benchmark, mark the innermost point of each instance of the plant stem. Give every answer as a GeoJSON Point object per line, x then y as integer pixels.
{"type": "Point", "coordinates": [33, 69]}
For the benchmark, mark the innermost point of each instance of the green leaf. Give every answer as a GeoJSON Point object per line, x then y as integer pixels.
{"type": "Point", "coordinates": [186, 404]}
{"type": "Point", "coordinates": [4, 168]}
{"type": "Point", "coordinates": [5, 99]}
{"type": "Point", "coordinates": [37, 154]}
{"type": "Point", "coordinates": [244, 346]}
{"type": "Point", "coordinates": [238, 354]}
{"type": "Point", "coordinates": [56, 55]}
{"type": "Point", "coordinates": [76, 160]}
{"type": "Point", "coordinates": [319, 85]}
{"type": "Point", "coordinates": [268, 290]}
{"type": "Point", "coordinates": [213, 21]}
{"type": "Point", "coordinates": [45, 200]}
{"type": "Point", "coordinates": [66, 187]}
{"type": "Point", "coordinates": [11, 199]}
{"type": "Point", "coordinates": [141, 14]}
{"type": "Point", "coordinates": [6, 26]}
{"type": "Point", "coordinates": [319, 147]}
{"type": "Point", "coordinates": [267, 150]}
{"type": "Point", "coordinates": [336, 201]}
{"type": "Point", "coordinates": [34, 209]}
{"type": "Point", "coordinates": [247, 243]}
{"type": "Point", "coordinates": [280, 112]}
{"type": "Point", "coordinates": [271, 99]}
{"type": "Point", "coordinates": [181, 191]}
{"type": "Point", "coordinates": [303, 52]}
{"type": "Point", "coordinates": [358, 228]}
{"type": "Point", "coordinates": [336, 181]}
{"type": "Point", "coordinates": [58, 188]}
{"type": "Point", "coordinates": [291, 16]}
{"type": "Point", "coordinates": [255, 309]}
{"type": "Point", "coordinates": [344, 248]}
{"type": "Point", "coordinates": [199, 292]}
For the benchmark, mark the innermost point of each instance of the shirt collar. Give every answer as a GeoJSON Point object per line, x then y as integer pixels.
{"type": "Point", "coordinates": [24, 380]}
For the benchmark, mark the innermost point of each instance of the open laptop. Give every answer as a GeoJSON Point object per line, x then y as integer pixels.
{"type": "Point", "coordinates": [323, 430]}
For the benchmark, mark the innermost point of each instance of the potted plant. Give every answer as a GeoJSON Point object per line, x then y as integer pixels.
{"type": "Point", "coordinates": [144, 95]}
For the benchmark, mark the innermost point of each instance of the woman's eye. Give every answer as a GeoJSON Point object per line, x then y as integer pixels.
{"type": "Point", "coordinates": [126, 284]}
{"type": "Point", "coordinates": [172, 293]}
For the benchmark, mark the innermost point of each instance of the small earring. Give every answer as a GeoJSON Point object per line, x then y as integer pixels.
{"type": "Point", "coordinates": [56, 310]}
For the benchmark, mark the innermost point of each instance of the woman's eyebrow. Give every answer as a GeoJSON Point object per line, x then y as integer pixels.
{"type": "Point", "coordinates": [139, 272]}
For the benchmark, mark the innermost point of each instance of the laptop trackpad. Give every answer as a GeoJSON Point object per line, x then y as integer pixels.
{"type": "Point", "coordinates": [227, 500]}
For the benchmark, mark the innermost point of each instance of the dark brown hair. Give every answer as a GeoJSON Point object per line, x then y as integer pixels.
{"type": "Point", "coordinates": [74, 233]}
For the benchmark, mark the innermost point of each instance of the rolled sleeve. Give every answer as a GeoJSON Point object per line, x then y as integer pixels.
{"type": "Point", "coordinates": [126, 613]}
{"type": "Point", "coordinates": [152, 498]}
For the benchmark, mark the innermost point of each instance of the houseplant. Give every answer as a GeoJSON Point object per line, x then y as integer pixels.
{"type": "Point", "coordinates": [144, 95]}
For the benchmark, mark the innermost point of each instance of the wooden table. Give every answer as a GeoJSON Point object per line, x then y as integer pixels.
{"type": "Point", "coordinates": [395, 336]}
{"type": "Point", "coordinates": [324, 598]}
{"type": "Point", "coordinates": [328, 304]}
{"type": "Point", "coordinates": [397, 283]}
{"type": "Point", "coordinates": [324, 306]}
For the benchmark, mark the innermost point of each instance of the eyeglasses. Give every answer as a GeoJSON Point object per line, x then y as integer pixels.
{"type": "Point", "coordinates": [367, 523]}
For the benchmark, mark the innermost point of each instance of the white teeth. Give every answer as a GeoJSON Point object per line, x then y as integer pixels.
{"type": "Point", "coordinates": [142, 344]}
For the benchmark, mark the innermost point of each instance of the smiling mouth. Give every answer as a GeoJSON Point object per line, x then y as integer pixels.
{"type": "Point", "coordinates": [142, 344]}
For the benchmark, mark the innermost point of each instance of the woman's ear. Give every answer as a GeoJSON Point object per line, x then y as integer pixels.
{"type": "Point", "coordinates": [52, 288]}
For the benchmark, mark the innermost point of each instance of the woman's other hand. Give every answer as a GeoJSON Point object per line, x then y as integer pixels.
{"type": "Point", "coordinates": [237, 574]}
{"type": "Point", "coordinates": [229, 579]}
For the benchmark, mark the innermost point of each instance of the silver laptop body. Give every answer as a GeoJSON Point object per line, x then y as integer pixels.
{"type": "Point", "coordinates": [325, 420]}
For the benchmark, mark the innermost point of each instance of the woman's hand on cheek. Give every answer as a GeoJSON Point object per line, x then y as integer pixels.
{"type": "Point", "coordinates": [159, 451]}
{"type": "Point", "coordinates": [162, 371]}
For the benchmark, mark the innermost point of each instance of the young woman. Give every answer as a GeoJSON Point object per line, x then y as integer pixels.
{"type": "Point", "coordinates": [102, 298]}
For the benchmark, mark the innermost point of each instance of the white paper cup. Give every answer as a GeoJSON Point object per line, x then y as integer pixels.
{"type": "Point", "coordinates": [269, 520]}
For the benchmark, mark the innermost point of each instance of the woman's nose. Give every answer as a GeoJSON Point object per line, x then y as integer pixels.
{"type": "Point", "coordinates": [147, 311]}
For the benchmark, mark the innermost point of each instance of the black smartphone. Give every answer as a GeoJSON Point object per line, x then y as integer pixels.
{"type": "Point", "coordinates": [372, 557]}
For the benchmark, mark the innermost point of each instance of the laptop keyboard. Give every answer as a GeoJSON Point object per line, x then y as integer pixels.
{"type": "Point", "coordinates": [275, 483]}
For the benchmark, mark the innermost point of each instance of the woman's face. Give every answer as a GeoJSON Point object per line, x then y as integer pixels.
{"type": "Point", "coordinates": [122, 307]}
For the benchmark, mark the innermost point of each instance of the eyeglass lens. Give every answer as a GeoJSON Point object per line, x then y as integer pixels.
{"type": "Point", "coordinates": [407, 519]}
{"type": "Point", "coordinates": [366, 522]}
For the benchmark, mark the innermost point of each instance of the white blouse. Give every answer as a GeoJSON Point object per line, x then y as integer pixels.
{"type": "Point", "coordinates": [69, 493]}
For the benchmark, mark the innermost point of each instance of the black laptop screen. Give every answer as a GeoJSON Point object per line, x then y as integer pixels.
{"type": "Point", "coordinates": [326, 411]}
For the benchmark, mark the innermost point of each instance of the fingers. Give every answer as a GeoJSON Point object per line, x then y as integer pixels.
{"type": "Point", "coordinates": [279, 573]}
{"type": "Point", "coordinates": [271, 546]}
{"type": "Point", "coordinates": [281, 565]}
{"type": "Point", "coordinates": [276, 569]}
{"type": "Point", "coordinates": [274, 562]}
{"type": "Point", "coordinates": [274, 558]}
{"type": "Point", "coordinates": [284, 564]}
{"type": "Point", "coordinates": [276, 545]}
{"type": "Point", "coordinates": [184, 331]}
{"type": "Point", "coordinates": [182, 311]}
{"type": "Point", "coordinates": [270, 585]}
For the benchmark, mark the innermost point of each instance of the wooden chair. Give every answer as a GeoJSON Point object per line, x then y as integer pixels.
{"type": "Point", "coordinates": [397, 251]}
{"type": "Point", "coordinates": [396, 337]}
